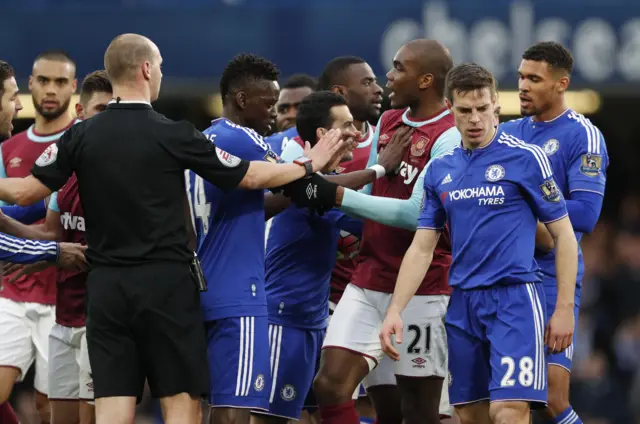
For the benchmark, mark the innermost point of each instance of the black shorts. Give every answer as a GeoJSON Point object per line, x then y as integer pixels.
{"type": "Point", "coordinates": [145, 322]}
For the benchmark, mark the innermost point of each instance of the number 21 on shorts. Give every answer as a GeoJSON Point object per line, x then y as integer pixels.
{"type": "Point", "coordinates": [415, 347]}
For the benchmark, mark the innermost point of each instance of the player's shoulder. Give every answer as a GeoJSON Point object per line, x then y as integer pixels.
{"type": "Point", "coordinates": [448, 159]}
{"type": "Point", "coordinates": [15, 139]}
{"type": "Point", "coordinates": [288, 133]}
{"type": "Point", "coordinates": [513, 125]}
{"type": "Point", "coordinates": [390, 117]}
{"type": "Point", "coordinates": [581, 130]}
{"type": "Point", "coordinates": [240, 132]}
{"type": "Point", "coordinates": [513, 149]}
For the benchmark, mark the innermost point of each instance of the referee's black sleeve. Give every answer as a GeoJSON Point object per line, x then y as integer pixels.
{"type": "Point", "coordinates": [195, 152]}
{"type": "Point", "coordinates": [54, 167]}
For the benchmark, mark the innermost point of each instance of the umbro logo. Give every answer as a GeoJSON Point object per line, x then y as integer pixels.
{"type": "Point", "coordinates": [312, 191]}
{"type": "Point", "coordinates": [446, 180]}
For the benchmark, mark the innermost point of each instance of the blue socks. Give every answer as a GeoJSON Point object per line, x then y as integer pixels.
{"type": "Point", "coordinates": [568, 416]}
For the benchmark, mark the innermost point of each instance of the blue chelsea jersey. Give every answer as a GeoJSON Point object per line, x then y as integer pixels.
{"type": "Point", "coordinates": [278, 141]}
{"type": "Point", "coordinates": [230, 230]}
{"type": "Point", "coordinates": [301, 254]}
{"type": "Point", "coordinates": [578, 156]}
{"type": "Point", "coordinates": [491, 198]}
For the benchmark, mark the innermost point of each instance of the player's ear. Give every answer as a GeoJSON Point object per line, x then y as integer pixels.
{"type": "Point", "coordinates": [425, 81]}
{"type": "Point", "coordinates": [241, 99]}
{"type": "Point", "coordinates": [449, 105]}
{"type": "Point", "coordinates": [320, 132]}
{"type": "Point", "coordinates": [338, 89]}
{"type": "Point", "coordinates": [79, 111]}
{"type": "Point", "coordinates": [562, 84]}
{"type": "Point", "coordinates": [30, 82]}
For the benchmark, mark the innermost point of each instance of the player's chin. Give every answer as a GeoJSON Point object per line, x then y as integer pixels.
{"type": "Point", "coordinates": [374, 111]}
{"type": "Point", "coordinates": [527, 110]}
{"type": "Point", "coordinates": [396, 102]}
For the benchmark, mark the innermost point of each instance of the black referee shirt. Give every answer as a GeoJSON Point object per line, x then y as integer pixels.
{"type": "Point", "coordinates": [130, 163]}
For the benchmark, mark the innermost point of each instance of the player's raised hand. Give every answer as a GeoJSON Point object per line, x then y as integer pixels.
{"type": "Point", "coordinates": [325, 149]}
{"type": "Point", "coordinates": [391, 326]}
{"type": "Point", "coordinates": [345, 153]}
{"type": "Point", "coordinates": [559, 333]}
{"type": "Point", "coordinates": [391, 155]}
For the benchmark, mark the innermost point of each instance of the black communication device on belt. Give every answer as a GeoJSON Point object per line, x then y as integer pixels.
{"type": "Point", "coordinates": [197, 274]}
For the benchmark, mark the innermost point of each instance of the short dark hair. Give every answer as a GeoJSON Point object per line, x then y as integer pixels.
{"type": "Point", "coordinates": [468, 77]}
{"type": "Point", "coordinates": [334, 70]}
{"type": "Point", "coordinates": [95, 82]}
{"type": "Point", "coordinates": [6, 72]}
{"type": "Point", "coordinates": [555, 54]}
{"type": "Point", "coordinates": [245, 68]}
{"type": "Point", "coordinates": [300, 81]}
{"type": "Point", "coordinates": [314, 112]}
{"type": "Point", "coordinates": [55, 55]}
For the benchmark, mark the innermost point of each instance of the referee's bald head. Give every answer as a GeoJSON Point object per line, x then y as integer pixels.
{"type": "Point", "coordinates": [131, 58]}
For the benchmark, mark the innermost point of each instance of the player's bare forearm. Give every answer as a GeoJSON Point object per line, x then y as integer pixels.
{"type": "Point", "coordinates": [22, 191]}
{"type": "Point", "coordinates": [566, 261]}
{"type": "Point", "coordinates": [415, 264]}
{"type": "Point", "coordinates": [274, 204]}
{"type": "Point", "coordinates": [263, 174]}
{"type": "Point", "coordinates": [544, 239]}
{"type": "Point", "coordinates": [33, 232]}
{"type": "Point", "coordinates": [353, 180]}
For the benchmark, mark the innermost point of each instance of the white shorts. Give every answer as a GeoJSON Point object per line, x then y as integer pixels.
{"type": "Point", "coordinates": [67, 380]}
{"type": "Point", "coordinates": [355, 325]}
{"type": "Point", "coordinates": [24, 338]}
{"type": "Point", "coordinates": [360, 390]}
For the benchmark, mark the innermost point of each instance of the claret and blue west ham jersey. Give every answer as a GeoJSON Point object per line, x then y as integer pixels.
{"type": "Point", "coordinates": [491, 198]}
{"type": "Point", "coordinates": [578, 156]}
{"type": "Point", "coordinates": [230, 230]}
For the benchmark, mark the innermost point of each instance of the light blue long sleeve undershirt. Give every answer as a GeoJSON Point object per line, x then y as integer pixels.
{"type": "Point", "coordinates": [401, 213]}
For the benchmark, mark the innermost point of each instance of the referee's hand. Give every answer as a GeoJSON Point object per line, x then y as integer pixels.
{"type": "Point", "coordinates": [71, 255]}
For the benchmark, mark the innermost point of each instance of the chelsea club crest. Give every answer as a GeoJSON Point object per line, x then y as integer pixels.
{"type": "Point", "coordinates": [494, 173]}
{"type": "Point", "coordinates": [551, 146]}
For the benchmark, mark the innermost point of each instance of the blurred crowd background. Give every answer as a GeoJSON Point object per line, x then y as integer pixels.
{"type": "Point", "coordinates": [198, 37]}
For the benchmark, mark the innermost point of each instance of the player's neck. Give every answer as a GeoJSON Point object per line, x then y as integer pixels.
{"type": "Point", "coordinates": [552, 113]}
{"type": "Point", "coordinates": [426, 110]}
{"type": "Point", "coordinates": [131, 94]}
{"type": "Point", "coordinates": [231, 115]}
{"type": "Point", "coordinates": [360, 126]}
{"type": "Point", "coordinates": [44, 126]}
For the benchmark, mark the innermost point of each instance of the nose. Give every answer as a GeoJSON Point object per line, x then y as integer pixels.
{"type": "Point", "coordinates": [18, 104]}
{"type": "Point", "coordinates": [377, 89]}
{"type": "Point", "coordinates": [390, 75]}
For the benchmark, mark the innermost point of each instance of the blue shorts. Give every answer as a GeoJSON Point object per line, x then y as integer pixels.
{"type": "Point", "coordinates": [295, 353]}
{"type": "Point", "coordinates": [238, 351]}
{"type": "Point", "coordinates": [562, 359]}
{"type": "Point", "coordinates": [496, 344]}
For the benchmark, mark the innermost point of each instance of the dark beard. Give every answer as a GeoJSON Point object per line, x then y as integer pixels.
{"type": "Point", "coordinates": [51, 115]}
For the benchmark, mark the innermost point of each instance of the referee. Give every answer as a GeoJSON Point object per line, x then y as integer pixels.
{"type": "Point", "coordinates": [143, 316]}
